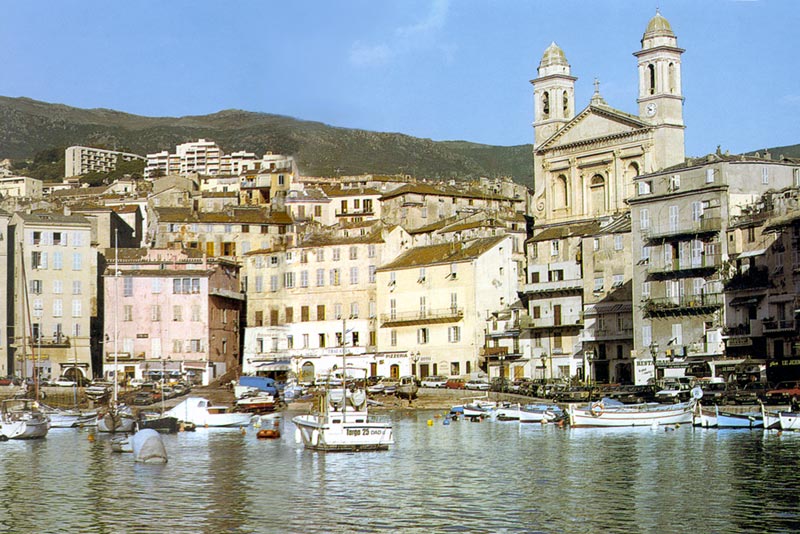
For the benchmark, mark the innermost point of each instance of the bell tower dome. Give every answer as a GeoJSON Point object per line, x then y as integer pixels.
{"type": "Point", "coordinates": [553, 94]}
{"type": "Point", "coordinates": [660, 96]}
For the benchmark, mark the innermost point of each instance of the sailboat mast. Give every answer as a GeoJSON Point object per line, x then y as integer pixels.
{"type": "Point", "coordinates": [344, 368]}
{"type": "Point", "coordinates": [116, 311]}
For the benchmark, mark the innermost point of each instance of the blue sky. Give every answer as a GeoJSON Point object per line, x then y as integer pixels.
{"type": "Point", "coordinates": [439, 69]}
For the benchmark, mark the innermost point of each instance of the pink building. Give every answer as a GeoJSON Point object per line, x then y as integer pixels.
{"type": "Point", "coordinates": [170, 310]}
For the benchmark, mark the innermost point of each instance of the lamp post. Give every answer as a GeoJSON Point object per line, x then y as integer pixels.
{"type": "Point", "coordinates": [654, 353]}
{"type": "Point", "coordinates": [501, 358]}
{"type": "Point", "coordinates": [414, 360]}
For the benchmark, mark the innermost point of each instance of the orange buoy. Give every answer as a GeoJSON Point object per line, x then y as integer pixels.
{"type": "Point", "coordinates": [268, 433]}
{"type": "Point", "coordinates": [91, 438]}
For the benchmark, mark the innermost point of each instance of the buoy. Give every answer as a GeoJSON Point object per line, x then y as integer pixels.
{"type": "Point", "coordinates": [437, 416]}
{"type": "Point", "coordinates": [268, 433]}
{"type": "Point", "coordinates": [430, 422]}
{"type": "Point", "coordinates": [90, 437]}
{"type": "Point", "coordinates": [446, 421]}
{"type": "Point", "coordinates": [244, 431]}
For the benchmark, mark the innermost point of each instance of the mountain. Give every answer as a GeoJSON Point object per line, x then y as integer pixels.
{"type": "Point", "coordinates": [29, 126]}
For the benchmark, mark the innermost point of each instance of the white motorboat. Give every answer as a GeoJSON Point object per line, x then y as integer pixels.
{"type": "Point", "coordinates": [610, 413]}
{"type": "Point", "coordinates": [201, 412]}
{"type": "Point", "coordinates": [340, 421]}
{"type": "Point", "coordinates": [540, 413]}
{"type": "Point", "coordinates": [22, 419]}
{"type": "Point", "coordinates": [480, 408]}
{"type": "Point", "coordinates": [772, 420]}
{"type": "Point", "coordinates": [61, 418]}
{"type": "Point", "coordinates": [788, 420]}
{"type": "Point", "coordinates": [507, 412]}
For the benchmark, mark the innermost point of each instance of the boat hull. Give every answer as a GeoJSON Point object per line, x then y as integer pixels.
{"type": "Point", "coordinates": [631, 415]}
{"type": "Point", "coordinates": [538, 415]}
{"type": "Point", "coordinates": [319, 435]}
{"type": "Point", "coordinates": [789, 420]}
{"type": "Point", "coordinates": [34, 428]}
{"type": "Point", "coordinates": [739, 420]}
{"type": "Point", "coordinates": [116, 423]}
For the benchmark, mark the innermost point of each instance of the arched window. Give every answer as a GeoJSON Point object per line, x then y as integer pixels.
{"type": "Point", "coordinates": [671, 76]}
{"type": "Point", "coordinates": [597, 195]}
{"type": "Point", "coordinates": [651, 78]}
{"type": "Point", "coordinates": [546, 104]}
{"type": "Point", "coordinates": [307, 373]}
{"type": "Point", "coordinates": [631, 172]}
{"type": "Point", "coordinates": [560, 192]}
{"type": "Point", "coordinates": [565, 104]}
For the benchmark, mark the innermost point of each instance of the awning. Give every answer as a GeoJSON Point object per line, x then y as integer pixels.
{"type": "Point", "coordinates": [282, 365]}
{"type": "Point", "coordinates": [745, 301]}
{"type": "Point", "coordinates": [751, 253]}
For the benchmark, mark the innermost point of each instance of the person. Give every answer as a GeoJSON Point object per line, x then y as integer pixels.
{"type": "Point", "coordinates": [795, 404]}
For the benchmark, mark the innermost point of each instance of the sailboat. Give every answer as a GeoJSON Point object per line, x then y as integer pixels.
{"type": "Point", "coordinates": [21, 418]}
{"type": "Point", "coordinates": [339, 419]}
{"type": "Point", "coordinates": [160, 422]}
{"type": "Point", "coordinates": [118, 417]}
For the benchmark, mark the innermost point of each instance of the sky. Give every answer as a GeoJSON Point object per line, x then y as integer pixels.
{"type": "Point", "coordinates": [438, 69]}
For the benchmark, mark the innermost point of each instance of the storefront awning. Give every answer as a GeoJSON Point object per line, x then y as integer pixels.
{"type": "Point", "coordinates": [282, 365]}
{"type": "Point", "coordinates": [745, 301]}
{"type": "Point", "coordinates": [751, 253]}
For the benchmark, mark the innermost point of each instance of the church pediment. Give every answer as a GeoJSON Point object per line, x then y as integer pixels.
{"type": "Point", "coordinates": [594, 122]}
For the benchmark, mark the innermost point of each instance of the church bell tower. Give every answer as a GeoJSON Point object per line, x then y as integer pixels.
{"type": "Point", "coordinates": [553, 94]}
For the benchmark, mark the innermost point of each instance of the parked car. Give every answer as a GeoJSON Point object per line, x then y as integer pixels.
{"type": "Point", "coordinates": [434, 381]}
{"type": "Point", "coordinates": [675, 390]}
{"type": "Point", "coordinates": [783, 392]}
{"type": "Point", "coordinates": [10, 381]}
{"type": "Point", "coordinates": [714, 392]}
{"type": "Point", "coordinates": [480, 385]}
{"type": "Point", "coordinates": [750, 393]}
{"type": "Point", "coordinates": [143, 398]}
{"type": "Point", "coordinates": [455, 383]}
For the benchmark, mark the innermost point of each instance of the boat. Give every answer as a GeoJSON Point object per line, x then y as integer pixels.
{"type": "Point", "coordinates": [789, 420]}
{"type": "Point", "coordinates": [739, 420]}
{"type": "Point", "coordinates": [259, 403]}
{"type": "Point", "coordinates": [148, 447]}
{"type": "Point", "coordinates": [611, 413]}
{"type": "Point", "coordinates": [61, 418]}
{"type": "Point", "coordinates": [704, 418]}
{"type": "Point", "coordinates": [540, 413]}
{"type": "Point", "coordinates": [407, 387]}
{"type": "Point", "coordinates": [340, 421]}
{"type": "Point", "coordinates": [22, 419]}
{"type": "Point", "coordinates": [118, 418]}
{"type": "Point", "coordinates": [480, 408]}
{"type": "Point", "coordinates": [158, 421]}
{"type": "Point", "coordinates": [771, 420]}
{"type": "Point", "coordinates": [508, 412]}
{"type": "Point", "coordinates": [201, 412]}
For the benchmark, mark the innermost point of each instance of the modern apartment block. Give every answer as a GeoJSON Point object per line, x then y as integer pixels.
{"type": "Point", "coordinates": [80, 160]}
{"type": "Point", "coordinates": [20, 187]}
{"type": "Point", "coordinates": [172, 310]}
{"type": "Point", "coordinates": [54, 288]}
{"type": "Point", "coordinates": [202, 157]}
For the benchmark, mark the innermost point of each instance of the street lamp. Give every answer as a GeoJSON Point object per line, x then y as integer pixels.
{"type": "Point", "coordinates": [414, 360]}
{"type": "Point", "coordinates": [502, 358]}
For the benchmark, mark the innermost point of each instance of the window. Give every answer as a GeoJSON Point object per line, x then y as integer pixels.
{"type": "Point", "coordinates": [127, 313]}
{"type": "Point", "coordinates": [353, 253]}
{"type": "Point", "coordinates": [305, 341]}
{"type": "Point", "coordinates": [38, 306]}
{"type": "Point", "coordinates": [675, 182]}
{"type": "Point", "coordinates": [177, 313]}
{"type": "Point", "coordinates": [36, 286]}
{"type": "Point", "coordinates": [372, 269]}
{"type": "Point", "coordinates": [645, 290]}
{"type": "Point", "coordinates": [454, 302]}
{"type": "Point", "coordinates": [185, 286]}
{"type": "Point", "coordinates": [336, 254]}
{"type": "Point", "coordinates": [673, 218]}
{"type": "Point", "coordinates": [196, 313]}
{"type": "Point", "coordinates": [195, 345]}
{"type": "Point", "coordinates": [709, 176]}
{"type": "Point", "coordinates": [39, 260]}
{"type": "Point", "coordinates": [764, 175]}
{"type": "Point", "coordinates": [618, 241]}
{"type": "Point", "coordinates": [617, 281]}
{"type": "Point", "coordinates": [423, 336]}
{"type": "Point", "coordinates": [273, 283]}
{"type": "Point", "coordinates": [423, 307]}
{"type": "Point", "coordinates": [697, 211]}
{"type": "Point", "coordinates": [393, 338]}
{"type": "Point", "coordinates": [77, 263]}
{"type": "Point", "coordinates": [353, 275]}
{"type": "Point", "coordinates": [288, 280]}
{"type": "Point", "coordinates": [596, 243]}
{"type": "Point", "coordinates": [177, 345]}
{"type": "Point", "coordinates": [259, 284]}
{"type": "Point", "coordinates": [320, 277]}
{"type": "Point", "coordinates": [76, 308]}
{"type": "Point", "coordinates": [289, 314]}
{"type": "Point", "coordinates": [598, 284]}
{"type": "Point", "coordinates": [320, 312]}
{"type": "Point", "coordinates": [454, 334]}
{"type": "Point", "coordinates": [58, 260]}
{"type": "Point", "coordinates": [372, 309]}
{"type": "Point", "coordinates": [554, 247]}
{"type": "Point", "coordinates": [57, 308]}
{"type": "Point", "coordinates": [76, 287]}
{"type": "Point", "coordinates": [354, 310]}
{"type": "Point", "coordinates": [304, 314]}
{"type": "Point", "coordinates": [127, 286]}
{"type": "Point", "coordinates": [677, 335]}
{"type": "Point", "coordinates": [334, 277]}
{"type": "Point", "coordinates": [537, 312]}
{"type": "Point", "coordinates": [155, 312]}
{"type": "Point", "coordinates": [321, 340]}
{"type": "Point", "coordinates": [337, 311]}
{"type": "Point", "coordinates": [273, 261]}
{"type": "Point", "coordinates": [303, 278]}
{"type": "Point", "coordinates": [421, 277]}
{"type": "Point", "coordinates": [645, 188]}
{"type": "Point", "coordinates": [647, 335]}
{"type": "Point", "coordinates": [371, 251]}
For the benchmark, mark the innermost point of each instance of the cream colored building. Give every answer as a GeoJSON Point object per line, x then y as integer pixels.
{"type": "Point", "coordinates": [55, 284]}
{"type": "Point", "coordinates": [20, 187]}
{"type": "Point", "coordinates": [434, 301]}
{"type": "Point", "coordinates": [6, 330]}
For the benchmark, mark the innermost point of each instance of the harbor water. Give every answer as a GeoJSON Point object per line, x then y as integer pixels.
{"type": "Point", "coordinates": [490, 477]}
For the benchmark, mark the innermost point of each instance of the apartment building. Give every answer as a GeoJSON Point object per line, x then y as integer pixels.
{"type": "Point", "coordinates": [172, 310]}
{"type": "Point", "coordinates": [6, 328]}
{"type": "Point", "coordinates": [20, 187]}
{"type": "Point", "coordinates": [268, 181]}
{"type": "Point", "coordinates": [309, 302]}
{"type": "Point", "coordinates": [80, 160]}
{"type": "Point", "coordinates": [434, 301]}
{"type": "Point", "coordinates": [681, 221]}
{"type": "Point", "coordinates": [54, 288]}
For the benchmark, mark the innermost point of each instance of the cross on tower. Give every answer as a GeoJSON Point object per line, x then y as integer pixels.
{"type": "Point", "coordinates": [596, 85]}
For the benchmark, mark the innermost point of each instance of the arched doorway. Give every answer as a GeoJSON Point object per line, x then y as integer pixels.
{"type": "Point", "coordinates": [394, 371]}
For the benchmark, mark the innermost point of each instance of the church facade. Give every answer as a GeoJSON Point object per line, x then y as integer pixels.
{"type": "Point", "coordinates": [585, 163]}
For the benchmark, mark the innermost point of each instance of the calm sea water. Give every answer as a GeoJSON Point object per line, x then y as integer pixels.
{"type": "Point", "coordinates": [490, 477]}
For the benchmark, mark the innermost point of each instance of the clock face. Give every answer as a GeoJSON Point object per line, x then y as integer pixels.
{"type": "Point", "coordinates": [651, 109]}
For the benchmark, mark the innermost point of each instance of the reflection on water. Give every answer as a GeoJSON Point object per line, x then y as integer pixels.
{"type": "Point", "coordinates": [465, 477]}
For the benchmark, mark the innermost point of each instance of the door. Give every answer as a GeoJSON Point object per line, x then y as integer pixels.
{"type": "Point", "coordinates": [557, 314]}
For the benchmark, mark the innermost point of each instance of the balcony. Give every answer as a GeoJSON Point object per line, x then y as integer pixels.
{"type": "Point", "coordinates": [366, 212]}
{"type": "Point", "coordinates": [688, 305]}
{"type": "Point", "coordinates": [558, 286]}
{"type": "Point", "coordinates": [781, 326]}
{"type": "Point", "coordinates": [752, 328]}
{"type": "Point", "coordinates": [445, 315]}
{"type": "Point", "coordinates": [552, 323]}
{"type": "Point", "coordinates": [54, 342]}
{"type": "Point", "coordinates": [706, 225]}
{"type": "Point", "coordinates": [608, 334]}
{"type": "Point", "coordinates": [701, 265]}
{"type": "Point", "coordinates": [753, 278]}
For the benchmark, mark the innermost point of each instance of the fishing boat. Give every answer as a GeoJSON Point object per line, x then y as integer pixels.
{"type": "Point", "coordinates": [22, 419]}
{"type": "Point", "coordinates": [201, 412]}
{"type": "Point", "coordinates": [540, 413]}
{"type": "Point", "coordinates": [611, 413]}
{"type": "Point", "coordinates": [789, 420]}
{"type": "Point", "coordinates": [771, 420]}
{"type": "Point", "coordinates": [508, 412]}
{"type": "Point", "coordinates": [118, 418]}
{"type": "Point", "coordinates": [65, 418]}
{"type": "Point", "coordinates": [259, 403]}
{"type": "Point", "coordinates": [407, 387]}
{"type": "Point", "coordinates": [159, 422]}
{"type": "Point", "coordinates": [704, 417]}
{"type": "Point", "coordinates": [739, 420]}
{"type": "Point", "coordinates": [340, 421]}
